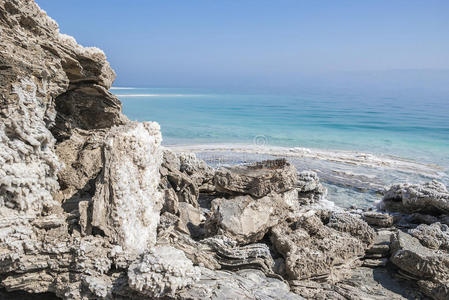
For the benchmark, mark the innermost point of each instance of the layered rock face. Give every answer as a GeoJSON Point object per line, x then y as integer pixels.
{"type": "Point", "coordinates": [92, 207]}
{"type": "Point", "coordinates": [79, 183]}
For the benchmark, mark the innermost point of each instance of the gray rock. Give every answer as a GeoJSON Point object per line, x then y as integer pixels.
{"type": "Point", "coordinates": [435, 236]}
{"type": "Point", "coordinates": [314, 250]}
{"type": "Point", "coordinates": [429, 198]}
{"type": "Point", "coordinates": [185, 188]}
{"type": "Point", "coordinates": [244, 218]}
{"type": "Point", "coordinates": [233, 257]}
{"type": "Point", "coordinates": [381, 245]}
{"type": "Point", "coordinates": [429, 267]}
{"type": "Point", "coordinates": [363, 283]}
{"type": "Point", "coordinates": [243, 284]}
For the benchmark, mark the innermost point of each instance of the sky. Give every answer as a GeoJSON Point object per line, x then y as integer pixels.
{"type": "Point", "coordinates": [202, 43]}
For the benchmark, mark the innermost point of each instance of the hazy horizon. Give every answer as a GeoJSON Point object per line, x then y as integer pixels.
{"type": "Point", "coordinates": [283, 44]}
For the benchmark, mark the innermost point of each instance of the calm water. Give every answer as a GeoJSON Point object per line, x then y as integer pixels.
{"type": "Point", "coordinates": [409, 124]}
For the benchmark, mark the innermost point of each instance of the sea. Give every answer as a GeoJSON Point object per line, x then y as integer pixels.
{"type": "Point", "coordinates": [358, 142]}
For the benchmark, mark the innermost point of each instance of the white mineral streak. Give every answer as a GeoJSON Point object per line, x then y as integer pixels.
{"type": "Point", "coordinates": [29, 164]}
{"type": "Point", "coordinates": [128, 203]}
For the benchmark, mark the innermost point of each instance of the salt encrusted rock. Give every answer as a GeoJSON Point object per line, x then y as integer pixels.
{"type": "Point", "coordinates": [257, 180]}
{"type": "Point", "coordinates": [37, 65]}
{"type": "Point", "coordinates": [429, 267]}
{"type": "Point", "coordinates": [378, 219]}
{"type": "Point", "coordinates": [38, 255]}
{"type": "Point", "coordinates": [435, 236]}
{"type": "Point", "coordinates": [161, 272]}
{"type": "Point", "coordinates": [313, 250]}
{"type": "Point", "coordinates": [244, 218]}
{"type": "Point", "coordinates": [429, 198]}
{"type": "Point", "coordinates": [127, 202]}
{"type": "Point", "coordinates": [244, 284]}
{"type": "Point", "coordinates": [309, 188]}
{"type": "Point", "coordinates": [28, 163]}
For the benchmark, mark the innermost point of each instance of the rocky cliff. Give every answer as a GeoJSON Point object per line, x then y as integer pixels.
{"type": "Point", "coordinates": [92, 207]}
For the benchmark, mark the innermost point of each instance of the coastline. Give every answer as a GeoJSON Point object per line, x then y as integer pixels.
{"type": "Point", "coordinates": [353, 178]}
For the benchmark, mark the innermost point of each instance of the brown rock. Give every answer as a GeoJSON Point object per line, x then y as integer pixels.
{"type": "Point", "coordinates": [257, 180]}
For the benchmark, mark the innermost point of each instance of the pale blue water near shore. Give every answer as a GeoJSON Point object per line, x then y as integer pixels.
{"type": "Point", "coordinates": [410, 125]}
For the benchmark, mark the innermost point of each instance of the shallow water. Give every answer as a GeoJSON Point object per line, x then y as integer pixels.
{"type": "Point", "coordinates": [408, 125]}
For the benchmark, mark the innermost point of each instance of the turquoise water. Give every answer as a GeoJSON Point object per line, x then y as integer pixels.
{"type": "Point", "coordinates": [413, 125]}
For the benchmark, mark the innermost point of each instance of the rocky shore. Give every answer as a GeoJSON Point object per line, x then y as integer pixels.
{"type": "Point", "coordinates": [93, 207]}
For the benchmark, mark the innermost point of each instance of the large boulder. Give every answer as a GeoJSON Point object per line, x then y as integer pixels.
{"type": "Point", "coordinates": [318, 245]}
{"type": "Point", "coordinates": [79, 182]}
{"type": "Point", "coordinates": [245, 218]}
{"type": "Point", "coordinates": [429, 198]}
{"type": "Point", "coordinates": [430, 268]}
{"type": "Point", "coordinates": [38, 66]}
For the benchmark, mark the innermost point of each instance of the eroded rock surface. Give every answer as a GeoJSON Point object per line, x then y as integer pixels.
{"type": "Point", "coordinates": [257, 180]}
{"type": "Point", "coordinates": [430, 268]}
{"type": "Point", "coordinates": [162, 272]}
{"type": "Point", "coordinates": [244, 218]}
{"type": "Point", "coordinates": [243, 284]}
{"type": "Point", "coordinates": [429, 198]}
{"type": "Point", "coordinates": [318, 246]}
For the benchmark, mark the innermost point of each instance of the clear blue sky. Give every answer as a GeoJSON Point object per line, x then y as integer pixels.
{"type": "Point", "coordinates": [218, 43]}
